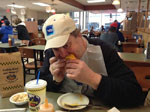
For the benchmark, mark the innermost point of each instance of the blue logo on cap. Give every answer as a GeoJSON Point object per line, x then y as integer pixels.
{"type": "Point", "coordinates": [49, 30]}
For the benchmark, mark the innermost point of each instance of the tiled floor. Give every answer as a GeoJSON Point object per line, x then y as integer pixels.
{"type": "Point", "coordinates": [29, 77]}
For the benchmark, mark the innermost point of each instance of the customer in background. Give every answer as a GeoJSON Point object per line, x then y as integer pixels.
{"type": "Point", "coordinates": [2, 20]}
{"type": "Point", "coordinates": [22, 31]}
{"type": "Point", "coordinates": [111, 38]}
{"type": "Point", "coordinates": [92, 32]}
{"type": "Point", "coordinates": [5, 30]}
{"type": "Point", "coordinates": [102, 29]}
{"type": "Point", "coordinates": [97, 71]}
{"type": "Point", "coordinates": [120, 34]}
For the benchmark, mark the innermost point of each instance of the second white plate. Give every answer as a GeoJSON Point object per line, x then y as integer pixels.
{"type": "Point", "coordinates": [72, 99]}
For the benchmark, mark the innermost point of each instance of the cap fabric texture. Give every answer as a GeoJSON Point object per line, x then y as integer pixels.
{"type": "Point", "coordinates": [57, 29]}
{"type": "Point", "coordinates": [114, 25]}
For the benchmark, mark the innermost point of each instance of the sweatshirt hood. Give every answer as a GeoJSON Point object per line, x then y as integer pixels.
{"type": "Point", "coordinates": [22, 23]}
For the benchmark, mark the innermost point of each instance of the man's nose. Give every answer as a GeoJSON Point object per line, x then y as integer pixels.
{"type": "Point", "coordinates": [63, 53]}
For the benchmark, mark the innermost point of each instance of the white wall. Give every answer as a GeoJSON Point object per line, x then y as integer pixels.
{"type": "Point", "coordinates": [4, 13]}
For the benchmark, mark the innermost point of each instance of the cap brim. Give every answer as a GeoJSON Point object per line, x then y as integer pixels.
{"type": "Point", "coordinates": [57, 42]}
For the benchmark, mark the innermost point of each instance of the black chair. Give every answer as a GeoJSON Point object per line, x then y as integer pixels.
{"type": "Point", "coordinates": [29, 61]}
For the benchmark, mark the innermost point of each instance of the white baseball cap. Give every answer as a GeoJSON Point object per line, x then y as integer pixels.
{"type": "Point", "coordinates": [57, 29]}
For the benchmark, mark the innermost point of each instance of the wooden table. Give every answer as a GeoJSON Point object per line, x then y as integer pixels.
{"type": "Point", "coordinates": [37, 48]}
{"type": "Point", "coordinates": [52, 98]}
{"type": "Point", "coordinates": [140, 66]}
{"type": "Point", "coordinates": [133, 43]}
{"type": "Point", "coordinates": [7, 48]}
{"type": "Point", "coordinates": [134, 58]}
{"type": "Point", "coordinates": [5, 45]}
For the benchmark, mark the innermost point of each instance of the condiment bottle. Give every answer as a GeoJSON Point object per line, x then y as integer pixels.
{"type": "Point", "coordinates": [10, 42]}
{"type": "Point", "coordinates": [139, 40]}
{"type": "Point", "coordinates": [46, 107]}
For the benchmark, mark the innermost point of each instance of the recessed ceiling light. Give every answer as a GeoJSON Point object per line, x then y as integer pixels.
{"type": "Point", "coordinates": [120, 10]}
{"type": "Point", "coordinates": [40, 4]}
{"type": "Point", "coordinates": [116, 2]}
{"type": "Point", "coordinates": [95, 1]}
{"type": "Point", "coordinates": [16, 6]}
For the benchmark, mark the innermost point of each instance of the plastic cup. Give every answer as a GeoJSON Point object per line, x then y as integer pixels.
{"type": "Point", "coordinates": [36, 94]}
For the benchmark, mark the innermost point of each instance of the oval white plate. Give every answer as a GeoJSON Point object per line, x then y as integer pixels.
{"type": "Point", "coordinates": [72, 98]}
{"type": "Point", "coordinates": [18, 103]}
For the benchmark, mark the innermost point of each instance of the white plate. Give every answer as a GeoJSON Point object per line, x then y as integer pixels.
{"type": "Point", "coordinates": [72, 98]}
{"type": "Point", "coordinates": [24, 100]}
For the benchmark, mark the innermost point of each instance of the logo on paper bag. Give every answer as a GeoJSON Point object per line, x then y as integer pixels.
{"type": "Point", "coordinates": [11, 78]}
{"type": "Point", "coordinates": [49, 30]}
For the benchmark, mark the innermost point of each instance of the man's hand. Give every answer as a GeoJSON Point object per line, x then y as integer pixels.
{"type": "Point", "coordinates": [57, 68]}
{"type": "Point", "coordinates": [79, 71]}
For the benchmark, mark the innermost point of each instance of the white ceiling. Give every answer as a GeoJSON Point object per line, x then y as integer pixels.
{"type": "Point", "coordinates": [130, 5]}
{"type": "Point", "coordinates": [84, 2]}
{"type": "Point", "coordinates": [60, 6]}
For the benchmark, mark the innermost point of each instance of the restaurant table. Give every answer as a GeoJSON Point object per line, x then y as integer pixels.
{"type": "Point", "coordinates": [6, 48]}
{"type": "Point", "coordinates": [37, 48]}
{"type": "Point", "coordinates": [5, 45]}
{"type": "Point", "coordinates": [52, 98]}
{"type": "Point", "coordinates": [133, 43]}
{"type": "Point", "coordinates": [134, 58]}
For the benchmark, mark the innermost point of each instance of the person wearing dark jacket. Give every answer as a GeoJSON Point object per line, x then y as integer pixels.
{"type": "Point", "coordinates": [111, 38]}
{"type": "Point", "coordinates": [5, 30]}
{"type": "Point", "coordinates": [22, 31]}
{"type": "Point", "coordinates": [97, 71]}
{"type": "Point", "coordinates": [120, 35]}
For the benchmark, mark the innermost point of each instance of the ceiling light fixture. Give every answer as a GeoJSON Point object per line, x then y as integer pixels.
{"type": "Point", "coordinates": [13, 11]}
{"type": "Point", "coordinates": [116, 2]}
{"type": "Point", "coordinates": [40, 4]}
{"type": "Point", "coordinates": [48, 9]}
{"type": "Point", "coordinates": [95, 1]}
{"type": "Point", "coordinates": [120, 9]}
{"type": "Point", "coordinates": [16, 6]}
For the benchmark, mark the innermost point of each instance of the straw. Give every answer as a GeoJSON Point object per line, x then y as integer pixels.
{"type": "Point", "coordinates": [38, 77]}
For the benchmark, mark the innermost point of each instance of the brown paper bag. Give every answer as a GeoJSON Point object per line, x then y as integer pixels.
{"type": "Point", "coordinates": [11, 74]}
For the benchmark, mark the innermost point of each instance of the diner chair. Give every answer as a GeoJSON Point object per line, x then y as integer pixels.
{"type": "Point", "coordinates": [39, 41]}
{"type": "Point", "coordinates": [27, 56]}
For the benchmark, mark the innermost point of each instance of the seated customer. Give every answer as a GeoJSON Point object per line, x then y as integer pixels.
{"type": "Point", "coordinates": [92, 32]}
{"type": "Point", "coordinates": [110, 37]}
{"type": "Point", "coordinates": [97, 72]}
{"type": "Point", "coordinates": [22, 31]}
{"type": "Point", "coordinates": [5, 30]}
{"type": "Point", "coordinates": [120, 35]}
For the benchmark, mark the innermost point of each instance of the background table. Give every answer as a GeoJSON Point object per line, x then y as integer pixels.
{"type": "Point", "coordinates": [134, 58]}
{"type": "Point", "coordinates": [37, 48]}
